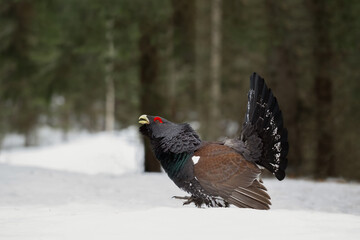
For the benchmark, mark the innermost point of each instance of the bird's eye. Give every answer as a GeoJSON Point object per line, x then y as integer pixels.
{"type": "Point", "coordinates": [158, 119]}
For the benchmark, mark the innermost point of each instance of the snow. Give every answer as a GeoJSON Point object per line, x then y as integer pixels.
{"type": "Point", "coordinates": [109, 198]}
{"type": "Point", "coordinates": [113, 153]}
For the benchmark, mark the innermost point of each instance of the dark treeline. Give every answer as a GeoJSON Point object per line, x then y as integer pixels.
{"type": "Point", "coordinates": [98, 65]}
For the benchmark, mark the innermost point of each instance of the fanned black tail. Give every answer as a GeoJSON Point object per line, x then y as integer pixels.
{"type": "Point", "coordinates": [263, 128]}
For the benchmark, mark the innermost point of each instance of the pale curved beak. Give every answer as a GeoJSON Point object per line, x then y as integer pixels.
{"type": "Point", "coordinates": [143, 119]}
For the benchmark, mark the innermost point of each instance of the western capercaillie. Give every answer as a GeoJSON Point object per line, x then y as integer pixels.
{"type": "Point", "coordinates": [217, 174]}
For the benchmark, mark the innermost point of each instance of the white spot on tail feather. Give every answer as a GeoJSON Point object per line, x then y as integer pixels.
{"type": "Point", "coordinates": [195, 159]}
{"type": "Point", "coordinates": [250, 97]}
{"type": "Point", "coordinates": [277, 157]}
{"type": "Point", "coordinates": [275, 166]}
{"type": "Point", "coordinates": [277, 147]}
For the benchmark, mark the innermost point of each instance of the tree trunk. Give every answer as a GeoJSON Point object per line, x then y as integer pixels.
{"type": "Point", "coordinates": [109, 78]}
{"type": "Point", "coordinates": [281, 63]}
{"type": "Point", "coordinates": [172, 79]}
{"type": "Point", "coordinates": [215, 70]}
{"type": "Point", "coordinates": [323, 57]}
{"type": "Point", "coordinates": [180, 56]}
{"type": "Point", "coordinates": [150, 99]}
{"type": "Point", "coordinates": [201, 50]}
{"type": "Point", "coordinates": [28, 139]}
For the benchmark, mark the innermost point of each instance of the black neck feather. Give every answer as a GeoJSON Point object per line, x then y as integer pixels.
{"type": "Point", "coordinates": [173, 163]}
{"type": "Point", "coordinates": [173, 145]}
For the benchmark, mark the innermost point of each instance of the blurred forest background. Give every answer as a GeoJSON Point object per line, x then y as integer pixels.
{"type": "Point", "coordinates": [98, 65]}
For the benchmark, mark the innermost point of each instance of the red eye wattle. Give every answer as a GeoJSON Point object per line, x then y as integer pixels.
{"type": "Point", "coordinates": [158, 119]}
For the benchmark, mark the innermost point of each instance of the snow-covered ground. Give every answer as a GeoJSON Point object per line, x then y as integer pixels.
{"type": "Point", "coordinates": [92, 188]}
{"type": "Point", "coordinates": [112, 153]}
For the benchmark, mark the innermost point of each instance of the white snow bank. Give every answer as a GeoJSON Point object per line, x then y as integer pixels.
{"type": "Point", "coordinates": [48, 204]}
{"type": "Point", "coordinates": [112, 153]}
{"type": "Point", "coordinates": [103, 222]}
{"type": "Point", "coordinates": [35, 186]}
{"type": "Point", "coordinates": [42, 136]}
{"type": "Point", "coordinates": [91, 188]}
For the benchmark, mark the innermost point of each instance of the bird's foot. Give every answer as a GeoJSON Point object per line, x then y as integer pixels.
{"type": "Point", "coordinates": [182, 198]}
{"type": "Point", "coordinates": [191, 199]}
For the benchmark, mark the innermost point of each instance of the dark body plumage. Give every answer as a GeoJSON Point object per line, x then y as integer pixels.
{"type": "Point", "coordinates": [221, 173]}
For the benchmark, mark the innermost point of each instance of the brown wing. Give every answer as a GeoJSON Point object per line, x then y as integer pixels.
{"type": "Point", "coordinates": [222, 171]}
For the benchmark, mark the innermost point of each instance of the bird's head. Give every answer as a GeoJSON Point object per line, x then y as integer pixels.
{"type": "Point", "coordinates": [156, 127]}
{"type": "Point", "coordinates": [167, 134]}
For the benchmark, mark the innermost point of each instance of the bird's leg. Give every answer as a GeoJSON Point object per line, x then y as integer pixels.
{"type": "Point", "coordinates": [187, 198]}
{"type": "Point", "coordinates": [191, 199]}
{"type": "Point", "coordinates": [182, 198]}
